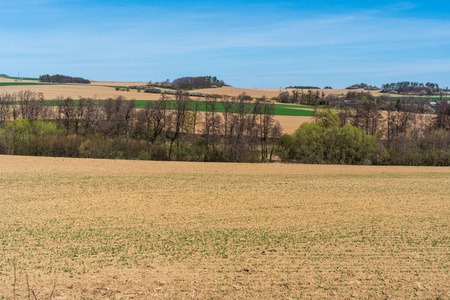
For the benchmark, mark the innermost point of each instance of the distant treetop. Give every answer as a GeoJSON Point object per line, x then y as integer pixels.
{"type": "Point", "coordinates": [415, 88]}
{"type": "Point", "coordinates": [303, 87]}
{"type": "Point", "coordinates": [363, 86]}
{"type": "Point", "coordinates": [200, 82]}
{"type": "Point", "coordinates": [62, 79]}
{"type": "Point", "coordinates": [190, 83]}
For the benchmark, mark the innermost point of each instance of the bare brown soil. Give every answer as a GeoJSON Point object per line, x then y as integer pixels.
{"type": "Point", "coordinates": [102, 90]}
{"type": "Point", "coordinates": [112, 229]}
{"type": "Point", "coordinates": [117, 83]}
{"type": "Point", "coordinates": [75, 91]}
{"type": "Point", "coordinates": [290, 123]}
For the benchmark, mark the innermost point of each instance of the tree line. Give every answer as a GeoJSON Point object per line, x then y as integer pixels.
{"type": "Point", "coordinates": [301, 87]}
{"type": "Point", "coordinates": [410, 131]}
{"type": "Point", "coordinates": [363, 86]}
{"type": "Point", "coordinates": [62, 79]}
{"type": "Point", "coordinates": [309, 97]}
{"type": "Point", "coordinates": [406, 131]}
{"type": "Point", "coordinates": [162, 130]}
{"type": "Point", "coordinates": [371, 133]}
{"type": "Point", "coordinates": [372, 130]}
{"type": "Point", "coordinates": [415, 88]}
{"type": "Point", "coordinates": [189, 83]}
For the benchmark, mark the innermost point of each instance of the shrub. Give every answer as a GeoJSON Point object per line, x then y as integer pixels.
{"type": "Point", "coordinates": [158, 152]}
{"type": "Point", "coordinates": [152, 90]}
{"type": "Point", "coordinates": [214, 155]}
{"type": "Point", "coordinates": [144, 155]}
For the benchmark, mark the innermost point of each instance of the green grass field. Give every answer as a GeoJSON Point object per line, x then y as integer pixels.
{"type": "Point", "coordinates": [23, 78]}
{"type": "Point", "coordinates": [23, 83]}
{"type": "Point", "coordinates": [293, 110]}
{"type": "Point", "coordinates": [116, 86]}
{"type": "Point", "coordinates": [280, 109]}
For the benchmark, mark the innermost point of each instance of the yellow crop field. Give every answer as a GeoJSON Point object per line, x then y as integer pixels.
{"type": "Point", "coordinates": [113, 229]}
{"type": "Point", "coordinates": [104, 90]}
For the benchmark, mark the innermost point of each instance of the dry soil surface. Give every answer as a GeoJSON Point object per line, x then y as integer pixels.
{"type": "Point", "coordinates": [113, 229]}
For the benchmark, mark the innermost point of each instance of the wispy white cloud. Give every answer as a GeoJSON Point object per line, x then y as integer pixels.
{"type": "Point", "coordinates": [382, 69]}
{"type": "Point", "coordinates": [319, 44]}
{"type": "Point", "coordinates": [341, 30]}
{"type": "Point", "coordinates": [352, 31]}
{"type": "Point", "coordinates": [177, 34]}
{"type": "Point", "coordinates": [401, 6]}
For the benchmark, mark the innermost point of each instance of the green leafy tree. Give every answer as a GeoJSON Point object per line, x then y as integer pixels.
{"type": "Point", "coordinates": [326, 142]}
{"type": "Point", "coordinates": [326, 118]}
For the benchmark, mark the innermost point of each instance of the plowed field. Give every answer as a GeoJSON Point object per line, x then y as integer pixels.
{"type": "Point", "coordinates": [99, 229]}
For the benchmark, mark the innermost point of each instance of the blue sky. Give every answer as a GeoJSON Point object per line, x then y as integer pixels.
{"type": "Point", "coordinates": [268, 44]}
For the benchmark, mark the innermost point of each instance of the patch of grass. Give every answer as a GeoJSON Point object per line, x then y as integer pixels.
{"type": "Point", "coordinates": [291, 110]}
{"type": "Point", "coordinates": [281, 110]}
{"type": "Point", "coordinates": [117, 86]}
{"type": "Point", "coordinates": [24, 78]}
{"type": "Point", "coordinates": [23, 83]}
